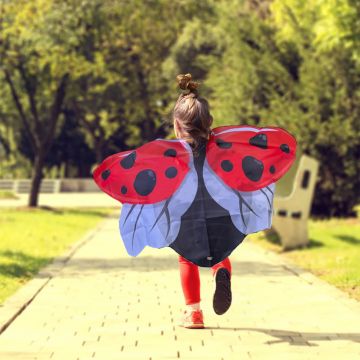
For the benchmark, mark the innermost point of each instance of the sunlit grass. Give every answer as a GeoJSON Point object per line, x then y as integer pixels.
{"type": "Point", "coordinates": [31, 238]}
{"type": "Point", "coordinates": [333, 253]}
{"type": "Point", "coordinates": [7, 195]}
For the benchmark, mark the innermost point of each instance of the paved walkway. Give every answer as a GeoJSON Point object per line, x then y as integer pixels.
{"type": "Point", "coordinates": [102, 304]}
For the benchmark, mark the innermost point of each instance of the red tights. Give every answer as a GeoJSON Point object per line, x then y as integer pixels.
{"type": "Point", "coordinates": [190, 279]}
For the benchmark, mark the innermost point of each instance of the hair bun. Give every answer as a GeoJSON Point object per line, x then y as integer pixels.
{"type": "Point", "coordinates": [185, 82]}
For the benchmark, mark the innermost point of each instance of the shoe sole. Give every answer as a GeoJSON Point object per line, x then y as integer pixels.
{"type": "Point", "coordinates": [222, 295]}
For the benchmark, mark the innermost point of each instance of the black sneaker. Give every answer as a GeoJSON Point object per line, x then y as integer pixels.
{"type": "Point", "coordinates": [222, 295]}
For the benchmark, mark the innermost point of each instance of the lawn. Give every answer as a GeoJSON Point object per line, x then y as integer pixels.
{"type": "Point", "coordinates": [31, 238]}
{"type": "Point", "coordinates": [333, 253]}
{"type": "Point", "coordinates": [7, 195]}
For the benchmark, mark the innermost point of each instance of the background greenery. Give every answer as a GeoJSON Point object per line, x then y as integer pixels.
{"type": "Point", "coordinates": [83, 79]}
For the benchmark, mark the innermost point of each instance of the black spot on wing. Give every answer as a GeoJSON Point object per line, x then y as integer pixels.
{"type": "Point", "coordinates": [285, 148]}
{"type": "Point", "coordinates": [272, 169]}
{"type": "Point", "coordinates": [123, 189]}
{"type": "Point", "coordinates": [128, 160]}
{"type": "Point", "coordinates": [170, 153]}
{"type": "Point", "coordinates": [145, 182]}
{"type": "Point", "coordinates": [105, 174]}
{"type": "Point", "coordinates": [259, 140]}
{"type": "Point", "coordinates": [252, 167]}
{"type": "Point", "coordinates": [227, 165]}
{"type": "Point", "coordinates": [171, 172]}
{"type": "Point", "coordinates": [223, 144]}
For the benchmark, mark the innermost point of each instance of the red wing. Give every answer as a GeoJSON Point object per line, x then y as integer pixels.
{"type": "Point", "coordinates": [146, 175]}
{"type": "Point", "coordinates": [248, 158]}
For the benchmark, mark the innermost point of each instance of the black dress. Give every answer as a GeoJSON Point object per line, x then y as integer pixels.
{"type": "Point", "coordinates": [213, 237]}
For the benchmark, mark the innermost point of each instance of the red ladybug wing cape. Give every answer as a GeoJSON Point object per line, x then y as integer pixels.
{"type": "Point", "coordinates": [201, 206]}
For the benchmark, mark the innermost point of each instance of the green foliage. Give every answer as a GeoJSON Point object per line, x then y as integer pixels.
{"type": "Point", "coordinates": [293, 64]}
{"type": "Point", "coordinates": [323, 25]}
{"type": "Point", "coordinates": [275, 65]}
{"type": "Point", "coordinates": [326, 35]}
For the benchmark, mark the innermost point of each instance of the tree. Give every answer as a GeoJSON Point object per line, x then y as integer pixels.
{"type": "Point", "coordinates": [69, 152]}
{"type": "Point", "coordinates": [127, 94]}
{"type": "Point", "coordinates": [39, 56]}
{"type": "Point", "coordinates": [280, 63]}
{"type": "Point", "coordinates": [325, 36]}
{"type": "Point", "coordinates": [284, 63]}
{"type": "Point", "coordinates": [35, 62]}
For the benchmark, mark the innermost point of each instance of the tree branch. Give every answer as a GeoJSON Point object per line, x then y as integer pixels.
{"type": "Point", "coordinates": [33, 139]}
{"type": "Point", "coordinates": [56, 109]}
{"type": "Point", "coordinates": [31, 90]}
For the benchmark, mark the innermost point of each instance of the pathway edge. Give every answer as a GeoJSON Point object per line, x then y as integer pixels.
{"type": "Point", "coordinates": [19, 301]}
{"type": "Point", "coordinates": [309, 277]}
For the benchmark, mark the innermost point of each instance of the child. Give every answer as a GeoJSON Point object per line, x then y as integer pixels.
{"type": "Point", "coordinates": [192, 121]}
{"type": "Point", "coordinates": [199, 194]}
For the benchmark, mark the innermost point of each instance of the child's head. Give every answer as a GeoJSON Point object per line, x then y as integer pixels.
{"type": "Point", "coordinates": [191, 115]}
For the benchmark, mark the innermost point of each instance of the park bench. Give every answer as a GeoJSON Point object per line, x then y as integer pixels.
{"type": "Point", "coordinates": [291, 212]}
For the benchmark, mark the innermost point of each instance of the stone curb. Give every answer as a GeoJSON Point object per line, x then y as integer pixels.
{"type": "Point", "coordinates": [17, 303]}
{"type": "Point", "coordinates": [309, 277]}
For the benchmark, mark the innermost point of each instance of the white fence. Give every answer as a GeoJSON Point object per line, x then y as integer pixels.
{"type": "Point", "coordinates": [22, 186]}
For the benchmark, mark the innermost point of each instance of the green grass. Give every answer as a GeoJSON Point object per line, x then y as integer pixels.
{"type": "Point", "coordinates": [7, 195]}
{"type": "Point", "coordinates": [31, 238]}
{"type": "Point", "coordinates": [333, 253]}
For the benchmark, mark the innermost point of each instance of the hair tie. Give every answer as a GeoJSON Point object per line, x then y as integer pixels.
{"type": "Point", "coordinates": [185, 83]}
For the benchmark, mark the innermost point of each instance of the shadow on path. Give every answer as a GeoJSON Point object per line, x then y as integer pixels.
{"type": "Point", "coordinates": [294, 337]}
{"type": "Point", "coordinates": [150, 263]}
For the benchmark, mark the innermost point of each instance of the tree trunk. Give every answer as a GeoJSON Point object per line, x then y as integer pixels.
{"type": "Point", "coordinates": [99, 150]}
{"type": "Point", "coordinates": [36, 180]}
{"type": "Point", "coordinates": [147, 126]}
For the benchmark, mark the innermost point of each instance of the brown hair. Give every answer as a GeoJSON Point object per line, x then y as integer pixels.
{"type": "Point", "coordinates": [192, 112]}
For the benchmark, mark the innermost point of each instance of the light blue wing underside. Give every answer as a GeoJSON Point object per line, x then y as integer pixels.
{"type": "Point", "coordinates": [250, 211]}
{"type": "Point", "coordinates": [157, 225]}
